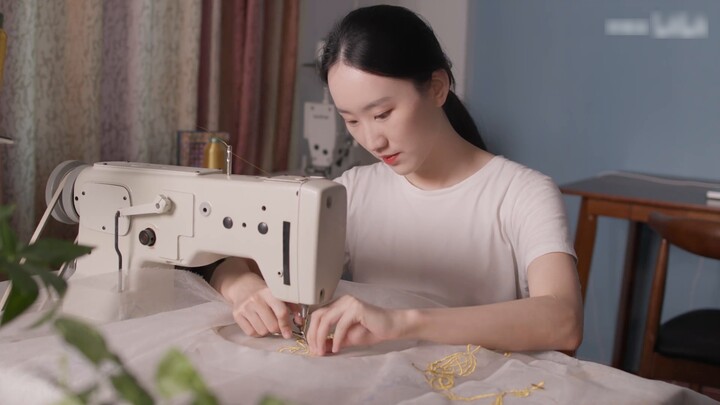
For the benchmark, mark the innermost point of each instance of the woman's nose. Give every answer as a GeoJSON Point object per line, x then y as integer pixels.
{"type": "Point", "coordinates": [376, 140]}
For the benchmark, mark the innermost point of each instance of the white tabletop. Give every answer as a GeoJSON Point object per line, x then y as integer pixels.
{"type": "Point", "coordinates": [241, 370]}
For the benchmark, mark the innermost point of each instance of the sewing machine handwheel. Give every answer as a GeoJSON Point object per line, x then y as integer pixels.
{"type": "Point", "coordinates": [147, 237]}
{"type": "Point", "coordinates": [64, 210]}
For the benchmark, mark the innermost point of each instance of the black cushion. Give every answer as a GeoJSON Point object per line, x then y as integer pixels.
{"type": "Point", "coordinates": [693, 336]}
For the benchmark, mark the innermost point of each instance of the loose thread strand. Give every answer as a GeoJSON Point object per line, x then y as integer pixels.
{"type": "Point", "coordinates": [441, 374]}
{"type": "Point", "coordinates": [265, 172]}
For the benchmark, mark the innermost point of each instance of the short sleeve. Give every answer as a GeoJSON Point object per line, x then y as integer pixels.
{"type": "Point", "coordinates": [538, 223]}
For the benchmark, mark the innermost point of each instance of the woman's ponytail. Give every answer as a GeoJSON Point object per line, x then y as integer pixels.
{"type": "Point", "coordinates": [461, 120]}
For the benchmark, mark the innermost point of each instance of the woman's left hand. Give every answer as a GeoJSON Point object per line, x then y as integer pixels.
{"type": "Point", "coordinates": [356, 324]}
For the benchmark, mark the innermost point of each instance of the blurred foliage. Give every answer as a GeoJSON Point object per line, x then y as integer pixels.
{"type": "Point", "coordinates": [30, 268]}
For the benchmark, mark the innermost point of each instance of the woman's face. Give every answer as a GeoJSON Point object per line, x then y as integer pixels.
{"type": "Point", "coordinates": [389, 117]}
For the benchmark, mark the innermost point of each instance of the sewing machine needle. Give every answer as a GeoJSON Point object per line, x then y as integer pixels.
{"type": "Point", "coordinates": [305, 315]}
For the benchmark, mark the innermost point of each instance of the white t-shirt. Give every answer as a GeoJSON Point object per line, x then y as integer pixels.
{"type": "Point", "coordinates": [468, 244]}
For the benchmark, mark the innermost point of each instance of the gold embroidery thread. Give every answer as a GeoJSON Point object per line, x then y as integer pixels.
{"type": "Point", "coordinates": [441, 374]}
{"type": "Point", "coordinates": [300, 348]}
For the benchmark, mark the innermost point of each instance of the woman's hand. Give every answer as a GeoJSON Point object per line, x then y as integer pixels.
{"type": "Point", "coordinates": [255, 309]}
{"type": "Point", "coordinates": [356, 323]}
{"type": "Point", "coordinates": [261, 314]}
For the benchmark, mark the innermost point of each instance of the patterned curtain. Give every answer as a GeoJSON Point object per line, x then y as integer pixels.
{"type": "Point", "coordinates": [92, 80]}
{"type": "Point", "coordinates": [247, 78]}
{"type": "Point", "coordinates": [115, 79]}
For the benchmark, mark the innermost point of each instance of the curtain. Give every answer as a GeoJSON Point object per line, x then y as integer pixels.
{"type": "Point", "coordinates": [93, 80]}
{"type": "Point", "coordinates": [116, 79]}
{"type": "Point", "coordinates": [248, 61]}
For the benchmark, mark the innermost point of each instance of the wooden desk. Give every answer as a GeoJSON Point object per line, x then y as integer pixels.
{"type": "Point", "coordinates": [632, 197]}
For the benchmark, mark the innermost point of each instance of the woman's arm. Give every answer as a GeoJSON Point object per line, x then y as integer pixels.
{"type": "Point", "coordinates": [551, 319]}
{"type": "Point", "coordinates": [255, 309]}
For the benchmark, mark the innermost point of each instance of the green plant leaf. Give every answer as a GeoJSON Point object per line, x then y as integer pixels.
{"type": "Point", "coordinates": [176, 374]}
{"type": "Point", "coordinates": [48, 277]}
{"type": "Point", "coordinates": [83, 397]}
{"type": "Point", "coordinates": [3, 265]}
{"type": "Point", "coordinates": [6, 212]}
{"type": "Point", "coordinates": [53, 252]}
{"type": "Point", "coordinates": [270, 400]}
{"type": "Point", "coordinates": [72, 400]}
{"type": "Point", "coordinates": [128, 387]}
{"type": "Point", "coordinates": [23, 294]}
{"type": "Point", "coordinates": [87, 394]}
{"type": "Point", "coordinates": [25, 289]}
{"type": "Point", "coordinates": [50, 314]}
{"type": "Point", "coordinates": [84, 338]}
{"type": "Point", "coordinates": [8, 241]}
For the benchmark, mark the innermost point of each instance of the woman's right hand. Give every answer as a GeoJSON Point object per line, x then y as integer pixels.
{"type": "Point", "coordinates": [255, 309]}
{"type": "Point", "coordinates": [261, 314]}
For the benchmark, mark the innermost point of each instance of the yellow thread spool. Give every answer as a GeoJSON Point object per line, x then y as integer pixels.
{"type": "Point", "coordinates": [214, 154]}
{"type": "Point", "coordinates": [3, 47]}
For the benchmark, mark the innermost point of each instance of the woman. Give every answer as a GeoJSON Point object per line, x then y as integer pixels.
{"type": "Point", "coordinates": [439, 215]}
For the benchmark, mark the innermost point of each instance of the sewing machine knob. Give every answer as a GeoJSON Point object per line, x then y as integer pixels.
{"type": "Point", "coordinates": [147, 237]}
{"type": "Point", "coordinates": [262, 228]}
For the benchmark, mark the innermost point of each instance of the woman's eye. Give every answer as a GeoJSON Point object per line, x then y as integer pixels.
{"type": "Point", "coordinates": [384, 115]}
{"type": "Point", "coordinates": [351, 122]}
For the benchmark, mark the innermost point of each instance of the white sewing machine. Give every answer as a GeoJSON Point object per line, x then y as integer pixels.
{"type": "Point", "coordinates": [331, 148]}
{"type": "Point", "coordinates": [143, 219]}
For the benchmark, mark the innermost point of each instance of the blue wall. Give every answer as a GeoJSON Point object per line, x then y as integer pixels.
{"type": "Point", "coordinates": [551, 90]}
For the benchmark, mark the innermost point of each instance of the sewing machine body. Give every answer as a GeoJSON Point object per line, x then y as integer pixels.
{"type": "Point", "coordinates": [292, 227]}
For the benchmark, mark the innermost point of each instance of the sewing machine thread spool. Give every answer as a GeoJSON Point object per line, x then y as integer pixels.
{"type": "Point", "coordinates": [215, 154]}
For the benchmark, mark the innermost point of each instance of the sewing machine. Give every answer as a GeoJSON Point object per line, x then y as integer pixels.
{"type": "Point", "coordinates": [331, 148]}
{"type": "Point", "coordinates": [144, 219]}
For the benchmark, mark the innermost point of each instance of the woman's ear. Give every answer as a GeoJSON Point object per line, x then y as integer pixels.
{"type": "Point", "coordinates": [439, 86]}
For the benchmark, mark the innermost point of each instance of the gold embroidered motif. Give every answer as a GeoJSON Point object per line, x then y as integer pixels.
{"type": "Point", "coordinates": [300, 348]}
{"type": "Point", "coordinates": [440, 375]}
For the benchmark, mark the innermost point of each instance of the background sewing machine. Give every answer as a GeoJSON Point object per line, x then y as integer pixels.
{"type": "Point", "coordinates": [331, 148]}
{"type": "Point", "coordinates": [143, 219]}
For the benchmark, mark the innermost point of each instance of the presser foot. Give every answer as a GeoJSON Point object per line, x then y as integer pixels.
{"type": "Point", "coordinates": [299, 331]}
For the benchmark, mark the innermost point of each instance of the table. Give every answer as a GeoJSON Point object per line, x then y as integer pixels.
{"type": "Point", "coordinates": [241, 369]}
{"type": "Point", "coordinates": [632, 196]}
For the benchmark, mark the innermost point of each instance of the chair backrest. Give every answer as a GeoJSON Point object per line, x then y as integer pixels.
{"type": "Point", "coordinates": [698, 236]}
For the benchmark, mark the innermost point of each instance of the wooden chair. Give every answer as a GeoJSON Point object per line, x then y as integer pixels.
{"type": "Point", "coordinates": [687, 347]}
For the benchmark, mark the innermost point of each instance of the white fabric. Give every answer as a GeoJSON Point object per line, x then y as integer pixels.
{"type": "Point", "coordinates": [469, 244]}
{"type": "Point", "coordinates": [241, 370]}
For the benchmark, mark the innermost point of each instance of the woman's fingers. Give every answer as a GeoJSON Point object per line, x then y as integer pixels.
{"type": "Point", "coordinates": [341, 330]}
{"type": "Point", "coordinates": [257, 323]}
{"type": "Point", "coordinates": [312, 329]}
{"type": "Point", "coordinates": [281, 317]}
{"type": "Point", "coordinates": [262, 313]}
{"type": "Point", "coordinates": [352, 322]}
{"type": "Point", "coordinates": [261, 316]}
{"type": "Point", "coordinates": [245, 325]}
{"type": "Point", "coordinates": [315, 335]}
{"type": "Point", "coordinates": [339, 313]}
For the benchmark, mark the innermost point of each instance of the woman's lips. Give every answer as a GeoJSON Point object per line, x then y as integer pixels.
{"type": "Point", "coordinates": [390, 159]}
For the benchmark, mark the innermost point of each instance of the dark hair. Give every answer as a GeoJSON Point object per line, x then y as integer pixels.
{"type": "Point", "coordinates": [395, 42]}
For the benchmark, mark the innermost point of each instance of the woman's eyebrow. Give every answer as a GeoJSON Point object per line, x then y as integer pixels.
{"type": "Point", "coordinates": [369, 105]}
